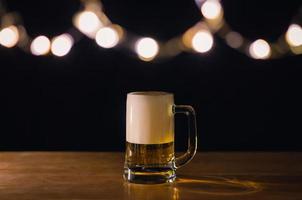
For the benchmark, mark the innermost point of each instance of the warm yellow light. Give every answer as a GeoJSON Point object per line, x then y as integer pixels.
{"type": "Point", "coordinates": [260, 49]}
{"type": "Point", "coordinates": [294, 35]}
{"type": "Point", "coordinates": [202, 41]}
{"type": "Point", "coordinates": [234, 39]}
{"type": "Point", "coordinates": [211, 9]}
{"type": "Point", "coordinates": [9, 36]}
{"type": "Point", "coordinates": [146, 48]}
{"type": "Point", "coordinates": [107, 37]}
{"type": "Point", "coordinates": [40, 45]}
{"type": "Point", "coordinates": [61, 45]}
{"type": "Point", "coordinates": [88, 23]}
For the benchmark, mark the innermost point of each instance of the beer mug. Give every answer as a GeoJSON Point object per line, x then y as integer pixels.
{"type": "Point", "coordinates": [150, 137]}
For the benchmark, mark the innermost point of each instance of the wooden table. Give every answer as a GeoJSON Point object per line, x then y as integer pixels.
{"type": "Point", "coordinates": [77, 176]}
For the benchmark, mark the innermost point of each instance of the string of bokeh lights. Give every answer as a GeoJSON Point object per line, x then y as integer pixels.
{"type": "Point", "coordinates": [94, 23]}
{"type": "Point", "coordinates": [289, 42]}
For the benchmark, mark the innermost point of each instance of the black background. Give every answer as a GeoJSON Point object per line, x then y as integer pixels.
{"type": "Point", "coordinates": [78, 102]}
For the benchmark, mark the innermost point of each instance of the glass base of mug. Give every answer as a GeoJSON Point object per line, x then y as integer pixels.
{"type": "Point", "coordinates": [149, 175]}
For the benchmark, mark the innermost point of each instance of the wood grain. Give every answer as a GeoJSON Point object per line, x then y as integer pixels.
{"type": "Point", "coordinates": [79, 176]}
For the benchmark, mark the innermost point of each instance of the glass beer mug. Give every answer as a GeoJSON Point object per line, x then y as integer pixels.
{"type": "Point", "coordinates": [150, 137]}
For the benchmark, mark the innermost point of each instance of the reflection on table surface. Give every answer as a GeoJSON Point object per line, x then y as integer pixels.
{"type": "Point", "coordinates": [98, 175]}
{"type": "Point", "coordinates": [182, 187]}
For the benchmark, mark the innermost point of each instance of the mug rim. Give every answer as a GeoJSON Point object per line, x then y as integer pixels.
{"type": "Point", "coordinates": [149, 93]}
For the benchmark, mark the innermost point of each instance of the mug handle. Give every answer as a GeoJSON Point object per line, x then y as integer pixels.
{"type": "Point", "coordinates": [192, 134]}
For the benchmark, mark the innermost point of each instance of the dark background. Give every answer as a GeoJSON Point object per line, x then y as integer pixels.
{"type": "Point", "coordinates": [78, 102]}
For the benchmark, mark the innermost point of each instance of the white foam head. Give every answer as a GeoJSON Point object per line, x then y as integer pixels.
{"type": "Point", "coordinates": [150, 118]}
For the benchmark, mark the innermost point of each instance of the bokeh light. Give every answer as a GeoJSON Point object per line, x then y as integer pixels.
{"type": "Point", "coordinates": [88, 23]}
{"type": "Point", "coordinates": [61, 45]}
{"type": "Point", "coordinates": [40, 45]}
{"type": "Point", "coordinates": [294, 35]}
{"type": "Point", "coordinates": [260, 49]}
{"type": "Point", "coordinates": [202, 41]}
{"type": "Point", "coordinates": [146, 48]}
{"type": "Point", "coordinates": [211, 9]}
{"type": "Point", "coordinates": [234, 39]}
{"type": "Point", "coordinates": [107, 37]}
{"type": "Point", "coordinates": [9, 36]}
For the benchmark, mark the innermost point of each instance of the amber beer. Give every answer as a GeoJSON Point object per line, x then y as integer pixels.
{"type": "Point", "coordinates": [150, 137]}
{"type": "Point", "coordinates": [154, 156]}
